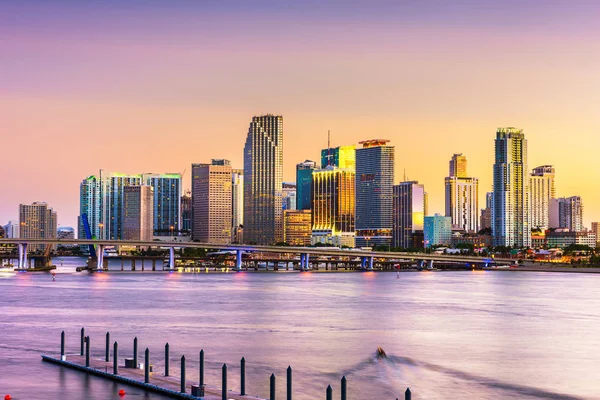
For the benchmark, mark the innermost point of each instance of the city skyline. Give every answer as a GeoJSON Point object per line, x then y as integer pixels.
{"type": "Point", "coordinates": [97, 111]}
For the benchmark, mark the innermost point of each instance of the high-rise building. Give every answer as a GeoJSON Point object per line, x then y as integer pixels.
{"type": "Point", "coordinates": [341, 157]}
{"type": "Point", "coordinates": [37, 221]}
{"type": "Point", "coordinates": [486, 213]}
{"type": "Point", "coordinates": [297, 227]}
{"type": "Point", "coordinates": [90, 205]}
{"type": "Point", "coordinates": [374, 192]}
{"type": "Point", "coordinates": [511, 219]}
{"type": "Point", "coordinates": [437, 230]}
{"type": "Point", "coordinates": [211, 202]}
{"type": "Point", "coordinates": [462, 196]}
{"type": "Point", "coordinates": [11, 230]}
{"type": "Point", "coordinates": [289, 196]}
{"type": "Point", "coordinates": [333, 206]}
{"type": "Point", "coordinates": [542, 191]}
{"type": "Point", "coordinates": [263, 169]}
{"type": "Point", "coordinates": [237, 205]}
{"type": "Point", "coordinates": [304, 172]}
{"type": "Point", "coordinates": [186, 212]}
{"type": "Point", "coordinates": [113, 193]}
{"type": "Point", "coordinates": [409, 213]}
{"type": "Point", "coordinates": [137, 213]}
{"type": "Point", "coordinates": [596, 231]}
{"type": "Point", "coordinates": [2, 232]}
{"type": "Point", "coordinates": [567, 213]}
{"type": "Point", "coordinates": [167, 202]}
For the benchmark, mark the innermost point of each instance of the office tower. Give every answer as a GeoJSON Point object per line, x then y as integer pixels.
{"type": "Point", "coordinates": [263, 169]}
{"type": "Point", "coordinates": [211, 202]}
{"type": "Point", "coordinates": [90, 195]}
{"type": "Point", "coordinates": [596, 231]}
{"type": "Point", "coordinates": [289, 196]}
{"type": "Point", "coordinates": [297, 227]}
{"type": "Point", "coordinates": [2, 232]}
{"type": "Point", "coordinates": [333, 206]}
{"type": "Point", "coordinates": [37, 221]}
{"type": "Point", "coordinates": [304, 172]}
{"type": "Point", "coordinates": [409, 212]}
{"type": "Point", "coordinates": [437, 230]}
{"type": "Point", "coordinates": [462, 196]}
{"type": "Point", "coordinates": [374, 192]}
{"type": "Point", "coordinates": [65, 233]}
{"type": "Point", "coordinates": [237, 205]}
{"type": "Point", "coordinates": [167, 202]}
{"type": "Point", "coordinates": [138, 213]}
{"type": "Point", "coordinates": [112, 208]}
{"type": "Point", "coordinates": [567, 213]}
{"type": "Point", "coordinates": [341, 157]}
{"type": "Point", "coordinates": [11, 230]}
{"type": "Point", "coordinates": [486, 213]}
{"type": "Point", "coordinates": [186, 212]}
{"type": "Point", "coordinates": [542, 191]}
{"type": "Point", "coordinates": [511, 220]}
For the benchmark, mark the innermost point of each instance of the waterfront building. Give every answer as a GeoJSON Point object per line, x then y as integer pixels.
{"type": "Point", "coordinates": [237, 205]}
{"type": "Point", "coordinates": [37, 221]}
{"type": "Point", "coordinates": [409, 211]}
{"type": "Point", "coordinates": [137, 217]}
{"type": "Point", "coordinates": [563, 238]}
{"type": "Point", "coordinates": [567, 213]}
{"type": "Point", "coordinates": [596, 230]}
{"type": "Point", "coordinates": [462, 195]}
{"type": "Point", "coordinates": [167, 202]}
{"type": "Point", "coordinates": [542, 191]}
{"type": "Point", "coordinates": [486, 213]}
{"type": "Point", "coordinates": [374, 192]}
{"type": "Point", "coordinates": [333, 210]}
{"type": "Point", "coordinates": [297, 227]}
{"type": "Point", "coordinates": [186, 213]}
{"type": "Point", "coordinates": [289, 196]}
{"type": "Point", "coordinates": [340, 157]}
{"type": "Point", "coordinates": [304, 172]}
{"type": "Point", "coordinates": [476, 239]}
{"type": "Point", "coordinates": [437, 230]}
{"type": "Point", "coordinates": [11, 230]}
{"type": "Point", "coordinates": [212, 202]}
{"type": "Point", "coordinates": [113, 193]}
{"type": "Point", "coordinates": [511, 219]}
{"type": "Point", "coordinates": [90, 205]}
{"type": "Point", "coordinates": [263, 168]}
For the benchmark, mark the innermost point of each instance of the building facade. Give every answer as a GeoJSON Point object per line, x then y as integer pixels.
{"type": "Point", "coordinates": [37, 221]}
{"type": "Point", "coordinates": [212, 202]}
{"type": "Point", "coordinates": [304, 172]}
{"type": "Point", "coordinates": [409, 213]}
{"type": "Point", "coordinates": [113, 195]}
{"type": "Point", "coordinates": [340, 157]}
{"type": "Point", "coordinates": [237, 205]}
{"type": "Point", "coordinates": [542, 192]}
{"type": "Point", "coordinates": [263, 168]}
{"type": "Point", "coordinates": [167, 202]}
{"type": "Point", "coordinates": [511, 219]}
{"type": "Point", "coordinates": [186, 213]}
{"type": "Point", "coordinates": [437, 231]}
{"type": "Point", "coordinates": [137, 217]}
{"type": "Point", "coordinates": [567, 213]}
{"type": "Point", "coordinates": [297, 227]}
{"type": "Point", "coordinates": [289, 196]}
{"type": "Point", "coordinates": [562, 239]}
{"type": "Point", "coordinates": [90, 207]}
{"type": "Point", "coordinates": [333, 210]}
{"type": "Point", "coordinates": [596, 231]}
{"type": "Point", "coordinates": [11, 230]}
{"type": "Point", "coordinates": [374, 193]}
{"type": "Point", "coordinates": [486, 213]}
{"type": "Point", "coordinates": [462, 196]}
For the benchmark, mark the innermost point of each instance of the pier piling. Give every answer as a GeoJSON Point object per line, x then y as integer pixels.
{"type": "Point", "coordinates": [107, 358]}
{"type": "Point", "coordinates": [272, 387]}
{"type": "Point", "coordinates": [344, 387]}
{"type": "Point", "coordinates": [87, 351]}
{"type": "Point", "coordinates": [182, 374]}
{"type": "Point", "coordinates": [62, 345]}
{"type": "Point", "coordinates": [289, 382]}
{"type": "Point", "coordinates": [243, 376]}
{"type": "Point", "coordinates": [135, 352]}
{"type": "Point", "coordinates": [147, 366]}
{"type": "Point", "coordinates": [167, 359]}
{"type": "Point", "coordinates": [82, 339]}
{"type": "Point", "coordinates": [407, 394]}
{"type": "Point", "coordinates": [224, 382]}
{"type": "Point", "coordinates": [115, 359]}
{"type": "Point", "coordinates": [329, 393]}
{"type": "Point", "coordinates": [201, 367]}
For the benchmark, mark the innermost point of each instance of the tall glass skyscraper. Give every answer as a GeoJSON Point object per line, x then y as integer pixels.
{"type": "Point", "coordinates": [511, 211]}
{"type": "Point", "coordinates": [113, 206]}
{"type": "Point", "coordinates": [166, 203]}
{"type": "Point", "coordinates": [90, 195]}
{"type": "Point", "coordinates": [263, 168]}
{"type": "Point", "coordinates": [374, 192]}
{"type": "Point", "coordinates": [304, 172]}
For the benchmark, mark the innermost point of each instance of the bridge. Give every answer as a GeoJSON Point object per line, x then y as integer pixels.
{"type": "Point", "coordinates": [367, 257]}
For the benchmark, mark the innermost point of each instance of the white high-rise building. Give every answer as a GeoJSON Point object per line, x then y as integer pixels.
{"type": "Point", "coordinates": [462, 196]}
{"type": "Point", "coordinates": [542, 191]}
{"type": "Point", "coordinates": [237, 205]}
{"type": "Point", "coordinates": [511, 211]}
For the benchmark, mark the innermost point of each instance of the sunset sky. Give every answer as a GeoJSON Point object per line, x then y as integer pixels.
{"type": "Point", "coordinates": [153, 86]}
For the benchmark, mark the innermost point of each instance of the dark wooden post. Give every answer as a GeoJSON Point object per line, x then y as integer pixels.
{"type": "Point", "coordinates": [62, 344]}
{"type": "Point", "coordinates": [224, 382]}
{"type": "Point", "coordinates": [167, 359]}
{"type": "Point", "coordinates": [87, 351]}
{"type": "Point", "coordinates": [344, 388]}
{"type": "Point", "coordinates": [272, 387]}
{"type": "Point", "coordinates": [107, 358]}
{"type": "Point", "coordinates": [82, 339]}
{"type": "Point", "coordinates": [135, 352]}
{"type": "Point", "coordinates": [243, 376]}
{"type": "Point", "coordinates": [115, 359]}
{"type": "Point", "coordinates": [201, 367]}
{"type": "Point", "coordinates": [329, 393]}
{"type": "Point", "coordinates": [407, 394]}
{"type": "Point", "coordinates": [147, 366]}
{"type": "Point", "coordinates": [182, 374]}
{"type": "Point", "coordinates": [289, 383]}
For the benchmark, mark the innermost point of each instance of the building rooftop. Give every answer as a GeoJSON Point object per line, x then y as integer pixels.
{"type": "Point", "coordinates": [373, 143]}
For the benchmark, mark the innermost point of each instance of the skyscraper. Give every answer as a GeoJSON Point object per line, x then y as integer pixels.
{"type": "Point", "coordinates": [486, 213]}
{"type": "Point", "coordinates": [90, 203]}
{"type": "Point", "coordinates": [186, 212]}
{"type": "Point", "coordinates": [374, 183]}
{"type": "Point", "coordinates": [304, 172]}
{"type": "Point", "coordinates": [567, 213]}
{"type": "Point", "coordinates": [596, 231]}
{"type": "Point", "coordinates": [462, 196]}
{"type": "Point", "coordinates": [137, 213]}
{"type": "Point", "coordinates": [542, 192]}
{"type": "Point", "coordinates": [333, 206]}
{"type": "Point", "coordinates": [237, 205]}
{"type": "Point", "coordinates": [410, 208]}
{"type": "Point", "coordinates": [289, 196]}
{"type": "Point", "coordinates": [112, 208]}
{"type": "Point", "coordinates": [297, 227]}
{"type": "Point", "coordinates": [211, 202]}
{"type": "Point", "coordinates": [341, 157]}
{"type": "Point", "coordinates": [263, 168]}
{"type": "Point", "coordinates": [37, 221]}
{"type": "Point", "coordinates": [511, 219]}
{"type": "Point", "coordinates": [437, 230]}
{"type": "Point", "coordinates": [167, 202]}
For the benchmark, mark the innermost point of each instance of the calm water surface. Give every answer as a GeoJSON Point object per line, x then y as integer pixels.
{"type": "Point", "coordinates": [468, 335]}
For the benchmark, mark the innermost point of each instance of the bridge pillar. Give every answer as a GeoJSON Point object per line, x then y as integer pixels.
{"type": "Point", "coordinates": [25, 262]}
{"type": "Point", "coordinates": [371, 263]}
{"type": "Point", "coordinates": [307, 261]}
{"type": "Point", "coordinates": [20, 247]}
{"type": "Point", "coordinates": [363, 262]}
{"type": "Point", "coordinates": [430, 264]}
{"type": "Point", "coordinates": [302, 261]}
{"type": "Point", "coordinates": [171, 258]}
{"type": "Point", "coordinates": [238, 260]}
{"type": "Point", "coordinates": [100, 262]}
